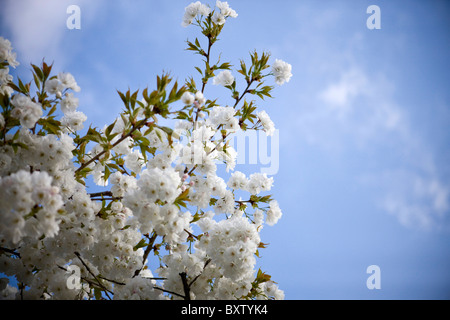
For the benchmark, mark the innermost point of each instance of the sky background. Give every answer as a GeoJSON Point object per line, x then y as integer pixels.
{"type": "Point", "coordinates": [363, 123]}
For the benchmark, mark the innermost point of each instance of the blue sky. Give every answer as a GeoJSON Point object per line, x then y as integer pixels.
{"type": "Point", "coordinates": [363, 123]}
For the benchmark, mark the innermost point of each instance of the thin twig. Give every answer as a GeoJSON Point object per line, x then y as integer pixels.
{"type": "Point", "coordinates": [95, 277]}
{"type": "Point", "coordinates": [171, 292]}
{"type": "Point", "coordinates": [195, 279]}
{"type": "Point", "coordinates": [208, 153]}
{"type": "Point", "coordinates": [243, 93]}
{"type": "Point", "coordinates": [191, 234]}
{"type": "Point", "coordinates": [186, 288]}
{"type": "Point", "coordinates": [149, 248]}
{"type": "Point", "coordinates": [107, 199]}
{"type": "Point", "coordinates": [204, 83]}
{"type": "Point", "coordinates": [112, 281]}
{"type": "Point", "coordinates": [11, 251]}
{"type": "Point", "coordinates": [101, 194]}
{"type": "Point", "coordinates": [81, 277]}
{"type": "Point", "coordinates": [123, 137]}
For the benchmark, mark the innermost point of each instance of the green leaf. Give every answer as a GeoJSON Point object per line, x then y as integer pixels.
{"type": "Point", "coordinates": [123, 97]}
{"type": "Point", "coordinates": [51, 111]}
{"type": "Point", "coordinates": [109, 129]}
{"type": "Point", "coordinates": [212, 201]}
{"type": "Point", "coordinates": [141, 244]}
{"type": "Point", "coordinates": [197, 43]}
{"type": "Point", "coordinates": [107, 173]}
{"type": "Point", "coordinates": [167, 130]}
{"type": "Point", "coordinates": [196, 217]}
{"type": "Point", "coordinates": [50, 125]}
{"type": "Point", "coordinates": [262, 277]}
{"type": "Point", "coordinates": [199, 70]}
{"type": "Point", "coordinates": [182, 115]}
{"type": "Point", "coordinates": [37, 81]}
{"type": "Point", "coordinates": [225, 66]}
{"type": "Point", "coordinates": [14, 87]}
{"type": "Point", "coordinates": [182, 198]}
{"type": "Point", "coordinates": [38, 72]}
{"type": "Point", "coordinates": [133, 99]}
{"type": "Point", "coordinates": [46, 69]}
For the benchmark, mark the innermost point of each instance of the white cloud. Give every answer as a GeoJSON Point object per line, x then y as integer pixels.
{"type": "Point", "coordinates": [418, 201]}
{"type": "Point", "coordinates": [37, 27]}
{"type": "Point", "coordinates": [355, 109]}
{"type": "Point", "coordinates": [357, 113]}
{"type": "Point", "coordinates": [341, 93]}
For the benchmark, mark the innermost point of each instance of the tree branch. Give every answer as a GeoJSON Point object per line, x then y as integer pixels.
{"type": "Point", "coordinates": [207, 60]}
{"type": "Point", "coordinates": [11, 251]}
{"type": "Point", "coordinates": [112, 281]}
{"type": "Point", "coordinates": [81, 277]}
{"type": "Point", "coordinates": [95, 277]}
{"type": "Point", "coordinates": [243, 93]}
{"type": "Point", "coordinates": [195, 279]}
{"type": "Point", "coordinates": [149, 248]}
{"type": "Point", "coordinates": [104, 195]}
{"type": "Point", "coordinates": [101, 194]}
{"type": "Point", "coordinates": [207, 154]}
{"type": "Point", "coordinates": [108, 199]}
{"type": "Point", "coordinates": [129, 134]}
{"type": "Point", "coordinates": [204, 82]}
{"type": "Point", "coordinates": [171, 292]}
{"type": "Point", "coordinates": [186, 288]}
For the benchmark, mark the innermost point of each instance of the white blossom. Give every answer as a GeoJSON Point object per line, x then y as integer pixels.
{"type": "Point", "coordinates": [192, 10]}
{"type": "Point", "coordinates": [231, 244]}
{"type": "Point", "coordinates": [238, 180]}
{"type": "Point", "coordinates": [69, 103]}
{"type": "Point", "coordinates": [6, 53]}
{"type": "Point", "coordinates": [225, 9]}
{"type": "Point", "coordinates": [259, 182]}
{"type": "Point", "coordinates": [221, 116]}
{"type": "Point", "coordinates": [22, 192]}
{"type": "Point", "coordinates": [134, 161]}
{"type": "Point", "coordinates": [187, 98]}
{"type": "Point", "coordinates": [224, 78]}
{"type": "Point", "coordinates": [200, 98]}
{"type": "Point", "coordinates": [274, 213]}
{"type": "Point", "coordinates": [5, 78]}
{"type": "Point", "coordinates": [74, 120]}
{"type": "Point", "coordinates": [266, 122]}
{"type": "Point", "coordinates": [218, 18]}
{"type": "Point", "coordinates": [27, 111]}
{"type": "Point", "coordinates": [281, 71]}
{"type": "Point", "coordinates": [54, 86]}
{"type": "Point", "coordinates": [68, 81]}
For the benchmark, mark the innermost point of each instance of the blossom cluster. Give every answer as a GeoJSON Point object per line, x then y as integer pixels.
{"type": "Point", "coordinates": [160, 197]}
{"type": "Point", "coordinates": [198, 8]}
{"type": "Point", "coordinates": [30, 205]}
{"type": "Point", "coordinates": [6, 54]}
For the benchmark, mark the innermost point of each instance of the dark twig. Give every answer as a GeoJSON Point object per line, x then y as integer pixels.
{"type": "Point", "coordinates": [95, 277]}
{"type": "Point", "coordinates": [151, 241]}
{"type": "Point", "coordinates": [186, 289]}
{"type": "Point", "coordinates": [123, 137]}
{"type": "Point", "coordinates": [11, 251]}
{"type": "Point", "coordinates": [171, 292]}
{"type": "Point", "coordinates": [101, 194]}
{"type": "Point", "coordinates": [204, 267]}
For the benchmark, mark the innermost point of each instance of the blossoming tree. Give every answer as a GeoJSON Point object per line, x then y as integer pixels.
{"type": "Point", "coordinates": [162, 198]}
